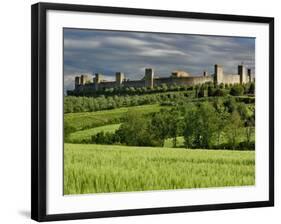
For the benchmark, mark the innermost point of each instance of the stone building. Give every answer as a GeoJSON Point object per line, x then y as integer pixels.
{"type": "Point", "coordinates": [181, 78]}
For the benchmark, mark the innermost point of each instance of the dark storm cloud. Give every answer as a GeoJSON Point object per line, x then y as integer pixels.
{"type": "Point", "coordinates": [90, 51]}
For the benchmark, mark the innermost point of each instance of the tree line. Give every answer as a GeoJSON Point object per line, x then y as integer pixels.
{"type": "Point", "coordinates": [89, 104]}
{"type": "Point", "coordinates": [212, 88]}
{"type": "Point", "coordinates": [202, 124]}
{"type": "Point", "coordinates": [73, 104]}
{"type": "Point", "coordinates": [122, 91]}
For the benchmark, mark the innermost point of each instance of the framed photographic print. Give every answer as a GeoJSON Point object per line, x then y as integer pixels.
{"type": "Point", "coordinates": [139, 111]}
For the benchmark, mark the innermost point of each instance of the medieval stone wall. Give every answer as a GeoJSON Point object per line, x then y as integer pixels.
{"type": "Point", "coordinates": [97, 83]}
{"type": "Point", "coordinates": [134, 83]}
{"type": "Point", "coordinates": [107, 85]}
{"type": "Point", "coordinates": [231, 79]}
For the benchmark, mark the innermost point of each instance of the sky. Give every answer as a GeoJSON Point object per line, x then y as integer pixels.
{"type": "Point", "coordinates": [88, 51]}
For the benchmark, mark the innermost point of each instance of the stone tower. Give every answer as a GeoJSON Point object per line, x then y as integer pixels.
{"type": "Point", "coordinates": [119, 76]}
{"type": "Point", "coordinates": [218, 76]}
{"type": "Point", "coordinates": [242, 73]}
{"type": "Point", "coordinates": [97, 80]}
{"type": "Point", "coordinates": [77, 81]}
{"type": "Point", "coordinates": [83, 80]}
{"type": "Point", "coordinates": [149, 76]}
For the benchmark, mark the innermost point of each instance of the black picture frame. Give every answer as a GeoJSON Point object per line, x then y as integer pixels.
{"type": "Point", "coordinates": [38, 108]}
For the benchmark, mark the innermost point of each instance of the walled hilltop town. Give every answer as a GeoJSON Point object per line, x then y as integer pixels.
{"type": "Point", "coordinates": [86, 82]}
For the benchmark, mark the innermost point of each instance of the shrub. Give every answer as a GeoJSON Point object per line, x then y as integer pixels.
{"type": "Point", "coordinates": [201, 92]}
{"type": "Point", "coordinates": [210, 90]}
{"type": "Point", "coordinates": [230, 104]}
{"type": "Point", "coordinates": [252, 88]}
{"type": "Point", "coordinates": [237, 90]}
{"type": "Point", "coordinates": [219, 92]}
{"type": "Point", "coordinates": [246, 99]}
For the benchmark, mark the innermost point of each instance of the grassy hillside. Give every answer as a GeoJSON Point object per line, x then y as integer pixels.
{"type": "Point", "coordinates": [100, 168]}
{"type": "Point", "coordinates": [85, 135]}
{"type": "Point", "coordinates": [180, 139]}
{"type": "Point", "coordinates": [86, 120]}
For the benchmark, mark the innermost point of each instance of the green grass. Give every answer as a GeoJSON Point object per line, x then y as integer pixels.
{"type": "Point", "coordinates": [85, 135]}
{"type": "Point", "coordinates": [100, 168]}
{"type": "Point", "coordinates": [86, 120]}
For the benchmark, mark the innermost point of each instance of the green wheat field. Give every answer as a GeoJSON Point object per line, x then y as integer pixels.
{"type": "Point", "coordinates": [90, 168]}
